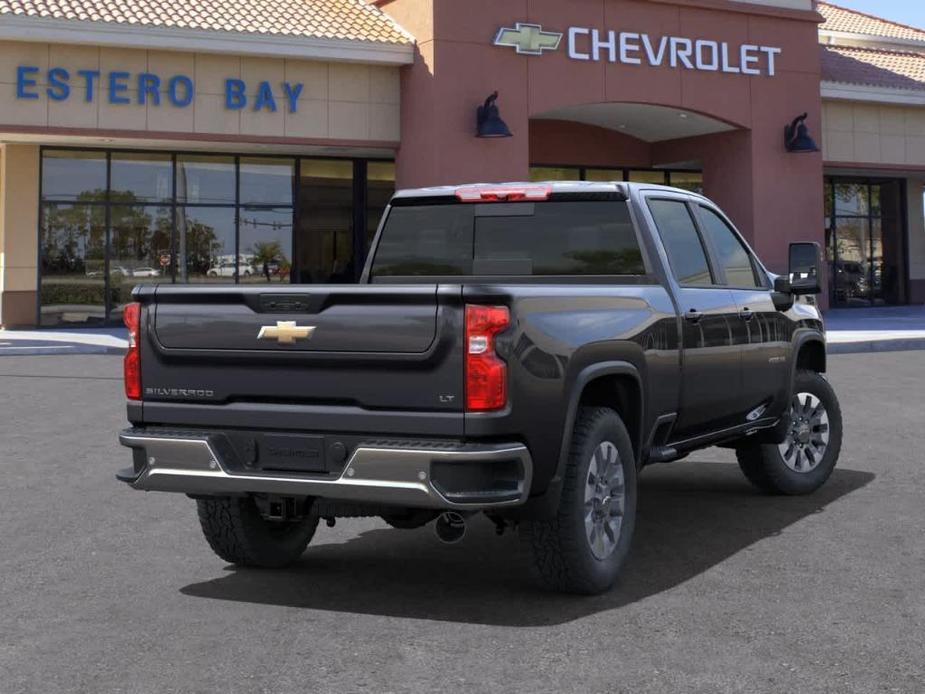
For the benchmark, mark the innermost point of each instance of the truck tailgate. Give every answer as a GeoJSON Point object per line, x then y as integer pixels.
{"type": "Point", "coordinates": [344, 319]}
{"type": "Point", "coordinates": [323, 349]}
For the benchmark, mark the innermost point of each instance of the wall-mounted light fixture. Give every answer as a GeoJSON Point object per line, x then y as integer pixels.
{"type": "Point", "coordinates": [796, 137]}
{"type": "Point", "coordinates": [488, 121]}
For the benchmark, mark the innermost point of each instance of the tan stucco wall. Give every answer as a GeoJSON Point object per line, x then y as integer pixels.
{"type": "Point", "coordinates": [873, 133]}
{"type": "Point", "coordinates": [339, 101]}
{"type": "Point", "coordinates": [19, 209]}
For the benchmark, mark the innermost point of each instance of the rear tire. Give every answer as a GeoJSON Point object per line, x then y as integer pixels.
{"type": "Point", "coordinates": [806, 459]}
{"type": "Point", "coordinates": [583, 549]}
{"type": "Point", "coordinates": [237, 533]}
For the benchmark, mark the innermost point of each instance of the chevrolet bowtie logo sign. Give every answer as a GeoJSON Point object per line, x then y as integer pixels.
{"type": "Point", "coordinates": [285, 332]}
{"type": "Point", "coordinates": [528, 39]}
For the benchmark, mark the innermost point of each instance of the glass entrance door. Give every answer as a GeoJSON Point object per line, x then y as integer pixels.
{"type": "Point", "coordinates": [864, 242]}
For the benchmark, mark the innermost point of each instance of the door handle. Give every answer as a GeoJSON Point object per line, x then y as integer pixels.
{"type": "Point", "coordinates": [746, 313]}
{"type": "Point", "coordinates": [693, 316]}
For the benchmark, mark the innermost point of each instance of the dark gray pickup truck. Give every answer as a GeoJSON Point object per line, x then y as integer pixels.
{"type": "Point", "coordinates": [521, 350]}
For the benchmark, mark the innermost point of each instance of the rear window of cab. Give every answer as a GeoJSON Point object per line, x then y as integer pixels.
{"type": "Point", "coordinates": [509, 239]}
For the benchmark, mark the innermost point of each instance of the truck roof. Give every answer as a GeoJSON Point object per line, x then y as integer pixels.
{"type": "Point", "coordinates": [623, 187]}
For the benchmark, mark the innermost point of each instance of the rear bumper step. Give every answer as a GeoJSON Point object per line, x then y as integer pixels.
{"type": "Point", "coordinates": [470, 476]}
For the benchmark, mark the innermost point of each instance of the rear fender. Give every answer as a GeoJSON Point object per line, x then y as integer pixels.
{"type": "Point", "coordinates": [546, 505]}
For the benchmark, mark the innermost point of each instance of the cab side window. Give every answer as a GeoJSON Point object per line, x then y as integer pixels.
{"type": "Point", "coordinates": [733, 257]}
{"type": "Point", "coordinates": [682, 242]}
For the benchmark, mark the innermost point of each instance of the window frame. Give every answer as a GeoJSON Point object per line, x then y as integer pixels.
{"type": "Point", "coordinates": [686, 202]}
{"type": "Point", "coordinates": [758, 271]}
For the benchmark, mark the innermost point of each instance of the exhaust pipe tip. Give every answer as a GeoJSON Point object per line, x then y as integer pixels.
{"type": "Point", "coordinates": [450, 527]}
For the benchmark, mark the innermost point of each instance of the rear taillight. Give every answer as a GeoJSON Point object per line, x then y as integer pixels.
{"type": "Point", "coordinates": [486, 374]}
{"type": "Point", "coordinates": [131, 316]}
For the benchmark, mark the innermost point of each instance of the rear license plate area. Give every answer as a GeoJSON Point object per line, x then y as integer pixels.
{"type": "Point", "coordinates": [275, 452]}
{"type": "Point", "coordinates": [291, 453]}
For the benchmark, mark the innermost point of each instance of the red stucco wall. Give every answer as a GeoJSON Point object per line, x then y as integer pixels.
{"type": "Point", "coordinates": [773, 196]}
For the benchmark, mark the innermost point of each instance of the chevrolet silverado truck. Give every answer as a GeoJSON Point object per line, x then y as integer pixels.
{"type": "Point", "coordinates": [518, 350]}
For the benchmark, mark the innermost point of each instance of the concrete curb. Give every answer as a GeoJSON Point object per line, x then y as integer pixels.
{"type": "Point", "coordinates": [898, 345]}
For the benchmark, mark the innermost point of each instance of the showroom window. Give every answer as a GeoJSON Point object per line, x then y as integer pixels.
{"type": "Point", "coordinates": [110, 220]}
{"type": "Point", "coordinates": [865, 231]}
{"type": "Point", "coordinates": [688, 180]}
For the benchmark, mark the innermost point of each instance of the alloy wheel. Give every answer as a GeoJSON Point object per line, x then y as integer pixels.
{"type": "Point", "coordinates": [808, 437]}
{"type": "Point", "coordinates": [605, 500]}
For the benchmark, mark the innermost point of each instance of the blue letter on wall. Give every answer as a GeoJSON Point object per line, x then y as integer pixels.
{"type": "Point", "coordinates": [89, 76]}
{"type": "Point", "coordinates": [292, 95]}
{"type": "Point", "coordinates": [117, 85]}
{"type": "Point", "coordinates": [58, 88]}
{"type": "Point", "coordinates": [173, 89]}
{"type": "Point", "coordinates": [234, 94]}
{"type": "Point", "coordinates": [24, 81]}
{"type": "Point", "coordinates": [149, 86]}
{"type": "Point", "coordinates": [264, 98]}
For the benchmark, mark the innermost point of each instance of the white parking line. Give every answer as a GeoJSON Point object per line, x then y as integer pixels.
{"type": "Point", "coordinates": [9, 346]}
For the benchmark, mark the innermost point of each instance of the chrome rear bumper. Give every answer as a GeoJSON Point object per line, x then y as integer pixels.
{"type": "Point", "coordinates": [389, 475]}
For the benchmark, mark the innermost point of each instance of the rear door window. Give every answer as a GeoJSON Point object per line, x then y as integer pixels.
{"type": "Point", "coordinates": [685, 250]}
{"type": "Point", "coordinates": [510, 239]}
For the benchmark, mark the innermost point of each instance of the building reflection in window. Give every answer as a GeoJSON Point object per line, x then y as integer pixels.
{"type": "Point", "coordinates": [113, 219]}
{"type": "Point", "coordinates": [206, 244]}
{"type": "Point", "coordinates": [864, 230]}
{"type": "Point", "coordinates": [266, 244]}
{"type": "Point", "coordinates": [73, 248]}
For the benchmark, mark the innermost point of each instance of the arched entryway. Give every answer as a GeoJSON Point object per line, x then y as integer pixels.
{"type": "Point", "coordinates": [648, 143]}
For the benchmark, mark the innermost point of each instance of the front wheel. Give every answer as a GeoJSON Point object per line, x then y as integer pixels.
{"type": "Point", "coordinates": [239, 534]}
{"type": "Point", "coordinates": [583, 549]}
{"type": "Point", "coordinates": [805, 459]}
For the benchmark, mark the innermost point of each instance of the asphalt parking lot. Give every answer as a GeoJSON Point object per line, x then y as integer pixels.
{"type": "Point", "coordinates": [107, 590]}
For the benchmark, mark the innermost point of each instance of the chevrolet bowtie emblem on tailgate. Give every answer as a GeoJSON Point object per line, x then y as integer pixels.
{"type": "Point", "coordinates": [286, 332]}
{"type": "Point", "coordinates": [528, 39]}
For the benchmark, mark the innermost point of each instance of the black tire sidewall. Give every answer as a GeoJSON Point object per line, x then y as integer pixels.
{"type": "Point", "coordinates": [238, 533]}
{"type": "Point", "coordinates": [274, 543]}
{"type": "Point", "coordinates": [598, 574]}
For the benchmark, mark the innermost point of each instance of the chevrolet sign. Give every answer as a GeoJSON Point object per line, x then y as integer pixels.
{"type": "Point", "coordinates": [632, 48]}
{"type": "Point", "coordinates": [528, 39]}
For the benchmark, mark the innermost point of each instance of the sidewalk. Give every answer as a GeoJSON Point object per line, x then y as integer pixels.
{"type": "Point", "coordinates": [67, 341]}
{"type": "Point", "coordinates": [884, 329]}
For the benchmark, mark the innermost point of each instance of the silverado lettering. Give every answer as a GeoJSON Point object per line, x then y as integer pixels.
{"type": "Point", "coordinates": [181, 392]}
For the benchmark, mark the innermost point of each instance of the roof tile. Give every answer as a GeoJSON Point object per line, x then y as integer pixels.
{"type": "Point", "coordinates": [854, 22]}
{"type": "Point", "coordinates": [323, 19]}
{"type": "Point", "coordinates": [880, 68]}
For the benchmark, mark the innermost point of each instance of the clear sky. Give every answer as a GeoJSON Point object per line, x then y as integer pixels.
{"type": "Point", "coordinates": [910, 12]}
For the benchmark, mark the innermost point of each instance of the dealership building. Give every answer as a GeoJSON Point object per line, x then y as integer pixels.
{"type": "Point", "coordinates": [257, 141]}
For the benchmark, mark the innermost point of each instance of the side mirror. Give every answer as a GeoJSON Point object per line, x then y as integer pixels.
{"type": "Point", "coordinates": [805, 271]}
